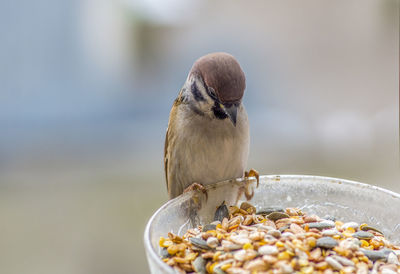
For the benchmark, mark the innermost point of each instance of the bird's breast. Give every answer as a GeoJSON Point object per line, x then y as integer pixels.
{"type": "Point", "coordinates": [212, 150]}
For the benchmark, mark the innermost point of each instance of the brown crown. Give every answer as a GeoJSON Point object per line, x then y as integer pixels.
{"type": "Point", "coordinates": [223, 73]}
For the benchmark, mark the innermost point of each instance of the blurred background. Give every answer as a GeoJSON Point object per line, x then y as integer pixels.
{"type": "Point", "coordinates": [86, 88]}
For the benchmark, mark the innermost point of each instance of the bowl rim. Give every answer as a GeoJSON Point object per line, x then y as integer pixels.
{"type": "Point", "coordinates": [155, 257]}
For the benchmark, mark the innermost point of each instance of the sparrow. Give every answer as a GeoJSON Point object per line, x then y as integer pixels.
{"type": "Point", "coordinates": [207, 137]}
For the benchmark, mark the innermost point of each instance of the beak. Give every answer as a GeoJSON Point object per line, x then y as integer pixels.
{"type": "Point", "coordinates": [231, 111]}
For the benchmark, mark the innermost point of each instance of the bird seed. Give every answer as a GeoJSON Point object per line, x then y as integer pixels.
{"type": "Point", "coordinates": [276, 240]}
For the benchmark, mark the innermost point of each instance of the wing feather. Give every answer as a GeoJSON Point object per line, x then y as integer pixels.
{"type": "Point", "coordinates": [166, 159]}
{"type": "Point", "coordinates": [167, 149]}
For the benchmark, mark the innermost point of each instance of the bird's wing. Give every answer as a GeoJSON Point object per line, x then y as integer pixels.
{"type": "Point", "coordinates": [170, 130]}
{"type": "Point", "coordinates": [166, 158]}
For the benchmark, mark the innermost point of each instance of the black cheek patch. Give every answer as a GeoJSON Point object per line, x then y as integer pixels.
{"type": "Point", "coordinates": [218, 112]}
{"type": "Point", "coordinates": [196, 92]}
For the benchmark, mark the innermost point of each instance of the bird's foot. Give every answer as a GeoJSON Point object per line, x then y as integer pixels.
{"type": "Point", "coordinates": [247, 188]}
{"type": "Point", "coordinates": [252, 173]}
{"type": "Point", "coordinates": [195, 187]}
{"type": "Point", "coordinates": [195, 200]}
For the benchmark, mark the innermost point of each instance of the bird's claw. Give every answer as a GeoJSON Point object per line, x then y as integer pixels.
{"type": "Point", "coordinates": [247, 188]}
{"type": "Point", "coordinates": [252, 173]}
{"type": "Point", "coordinates": [196, 187]}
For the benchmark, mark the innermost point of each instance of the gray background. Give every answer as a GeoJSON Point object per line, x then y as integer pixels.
{"type": "Point", "coordinates": [85, 93]}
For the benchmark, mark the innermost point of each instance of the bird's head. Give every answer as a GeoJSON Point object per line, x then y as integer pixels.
{"type": "Point", "coordinates": [216, 85]}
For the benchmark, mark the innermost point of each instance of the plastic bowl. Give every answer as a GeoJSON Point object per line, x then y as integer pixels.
{"type": "Point", "coordinates": [346, 200]}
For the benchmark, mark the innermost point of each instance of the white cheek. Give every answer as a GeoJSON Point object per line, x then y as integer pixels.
{"type": "Point", "coordinates": [206, 105]}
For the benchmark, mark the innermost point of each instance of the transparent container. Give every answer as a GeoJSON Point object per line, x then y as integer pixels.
{"type": "Point", "coordinates": [346, 200]}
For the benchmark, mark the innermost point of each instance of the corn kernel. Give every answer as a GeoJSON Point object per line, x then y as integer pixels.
{"type": "Point", "coordinates": [212, 232]}
{"type": "Point", "coordinates": [216, 255]}
{"type": "Point", "coordinates": [180, 260]}
{"type": "Point", "coordinates": [350, 229]}
{"type": "Point", "coordinates": [172, 249]}
{"type": "Point", "coordinates": [212, 267]}
{"type": "Point", "coordinates": [364, 243]}
{"type": "Point", "coordinates": [290, 252]}
{"type": "Point", "coordinates": [226, 266]}
{"type": "Point", "coordinates": [279, 244]}
{"type": "Point", "coordinates": [161, 241]}
{"type": "Point", "coordinates": [233, 227]}
{"type": "Point", "coordinates": [167, 243]}
{"type": "Point", "coordinates": [376, 244]}
{"type": "Point", "coordinates": [363, 259]}
{"type": "Point", "coordinates": [181, 247]}
{"type": "Point", "coordinates": [338, 224]}
{"type": "Point", "coordinates": [283, 256]}
{"type": "Point", "coordinates": [341, 251]}
{"type": "Point", "coordinates": [248, 246]}
{"type": "Point", "coordinates": [262, 242]}
{"type": "Point", "coordinates": [191, 256]}
{"type": "Point", "coordinates": [311, 242]}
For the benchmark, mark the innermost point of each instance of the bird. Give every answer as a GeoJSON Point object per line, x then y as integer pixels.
{"type": "Point", "coordinates": [207, 137]}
